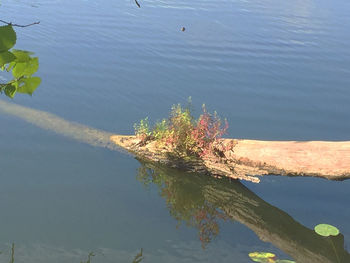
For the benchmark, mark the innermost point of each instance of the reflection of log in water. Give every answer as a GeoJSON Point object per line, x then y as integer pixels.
{"type": "Point", "coordinates": [240, 204]}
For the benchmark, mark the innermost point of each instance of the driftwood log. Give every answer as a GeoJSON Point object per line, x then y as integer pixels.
{"type": "Point", "coordinates": [238, 159]}
{"type": "Point", "coordinates": [249, 159]}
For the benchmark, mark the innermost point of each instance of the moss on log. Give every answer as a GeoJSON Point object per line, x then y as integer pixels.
{"type": "Point", "coordinates": [249, 159]}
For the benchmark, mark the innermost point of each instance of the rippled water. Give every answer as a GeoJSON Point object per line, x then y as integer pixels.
{"type": "Point", "coordinates": [277, 70]}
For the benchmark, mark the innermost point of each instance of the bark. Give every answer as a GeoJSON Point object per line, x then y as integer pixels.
{"type": "Point", "coordinates": [249, 159]}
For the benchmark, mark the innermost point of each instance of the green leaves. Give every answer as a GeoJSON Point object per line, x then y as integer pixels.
{"type": "Point", "coordinates": [263, 257]}
{"type": "Point", "coordinates": [266, 257]}
{"type": "Point", "coordinates": [29, 85]}
{"type": "Point", "coordinates": [22, 55]}
{"type": "Point", "coordinates": [6, 57]}
{"type": "Point", "coordinates": [7, 41]}
{"type": "Point", "coordinates": [26, 69]}
{"type": "Point", "coordinates": [21, 64]}
{"type": "Point", "coordinates": [7, 38]}
{"type": "Point", "coordinates": [326, 230]}
{"type": "Point", "coordinates": [10, 90]}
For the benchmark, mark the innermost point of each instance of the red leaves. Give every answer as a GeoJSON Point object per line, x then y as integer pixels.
{"type": "Point", "coordinates": [207, 131]}
{"type": "Point", "coordinates": [184, 134]}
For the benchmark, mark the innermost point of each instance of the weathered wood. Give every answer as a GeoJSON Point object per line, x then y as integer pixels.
{"type": "Point", "coordinates": [325, 159]}
{"type": "Point", "coordinates": [248, 159]}
{"type": "Point", "coordinates": [239, 159]}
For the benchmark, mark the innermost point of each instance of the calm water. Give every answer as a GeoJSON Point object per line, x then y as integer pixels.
{"type": "Point", "coordinates": [277, 70]}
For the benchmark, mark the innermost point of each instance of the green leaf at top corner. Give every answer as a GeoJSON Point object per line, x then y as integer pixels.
{"type": "Point", "coordinates": [7, 38]}
{"type": "Point", "coordinates": [326, 230]}
{"type": "Point", "coordinates": [6, 57]}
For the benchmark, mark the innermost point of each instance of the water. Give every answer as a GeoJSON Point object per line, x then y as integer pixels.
{"type": "Point", "coordinates": [276, 70]}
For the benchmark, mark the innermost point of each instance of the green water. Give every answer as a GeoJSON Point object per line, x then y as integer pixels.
{"type": "Point", "coordinates": [276, 70]}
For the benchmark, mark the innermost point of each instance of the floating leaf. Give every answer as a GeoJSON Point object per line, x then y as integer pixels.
{"type": "Point", "coordinates": [263, 257]}
{"type": "Point", "coordinates": [6, 57]}
{"type": "Point", "coordinates": [29, 85]}
{"type": "Point", "coordinates": [326, 230]}
{"type": "Point", "coordinates": [7, 38]}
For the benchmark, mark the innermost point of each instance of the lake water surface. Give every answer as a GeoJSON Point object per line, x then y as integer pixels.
{"type": "Point", "coordinates": [277, 70]}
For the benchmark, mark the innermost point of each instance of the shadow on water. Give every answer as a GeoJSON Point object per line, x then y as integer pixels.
{"type": "Point", "coordinates": [202, 202]}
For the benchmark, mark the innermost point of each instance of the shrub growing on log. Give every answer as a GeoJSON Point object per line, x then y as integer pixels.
{"type": "Point", "coordinates": [183, 133]}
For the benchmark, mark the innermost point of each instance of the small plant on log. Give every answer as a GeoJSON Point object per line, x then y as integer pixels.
{"type": "Point", "coordinates": [183, 133]}
{"type": "Point", "coordinates": [142, 129]}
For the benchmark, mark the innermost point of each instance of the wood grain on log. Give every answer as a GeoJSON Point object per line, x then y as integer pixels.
{"type": "Point", "coordinates": [248, 159]}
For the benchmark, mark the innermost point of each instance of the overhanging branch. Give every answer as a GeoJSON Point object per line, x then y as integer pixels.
{"type": "Point", "coordinates": [17, 25]}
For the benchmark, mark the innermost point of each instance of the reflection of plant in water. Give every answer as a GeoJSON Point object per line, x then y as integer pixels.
{"type": "Point", "coordinates": [187, 195]}
{"type": "Point", "coordinates": [186, 203]}
{"type": "Point", "coordinates": [21, 64]}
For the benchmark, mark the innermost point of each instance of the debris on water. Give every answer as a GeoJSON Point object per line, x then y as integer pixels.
{"type": "Point", "coordinates": [137, 3]}
{"type": "Point", "coordinates": [183, 29]}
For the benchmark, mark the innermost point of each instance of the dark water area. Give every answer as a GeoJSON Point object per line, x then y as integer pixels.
{"type": "Point", "coordinates": [276, 70]}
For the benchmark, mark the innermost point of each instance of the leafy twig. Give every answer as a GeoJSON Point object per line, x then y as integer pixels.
{"type": "Point", "coordinates": [10, 82]}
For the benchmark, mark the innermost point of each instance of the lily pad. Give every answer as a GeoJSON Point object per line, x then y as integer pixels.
{"type": "Point", "coordinates": [326, 230]}
{"type": "Point", "coordinates": [262, 257]}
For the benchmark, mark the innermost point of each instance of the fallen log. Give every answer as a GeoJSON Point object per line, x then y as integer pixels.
{"type": "Point", "coordinates": [249, 159]}
{"type": "Point", "coordinates": [237, 159]}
